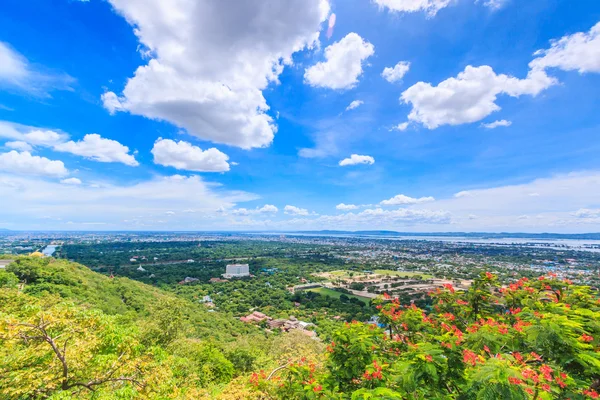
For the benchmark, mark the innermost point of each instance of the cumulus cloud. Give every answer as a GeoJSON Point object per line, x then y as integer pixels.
{"type": "Point", "coordinates": [469, 97]}
{"type": "Point", "coordinates": [185, 156]}
{"type": "Point", "coordinates": [343, 63]}
{"type": "Point", "coordinates": [496, 124]}
{"type": "Point", "coordinates": [93, 146]}
{"type": "Point", "coordinates": [355, 159]}
{"type": "Point", "coordinates": [268, 208]}
{"type": "Point", "coordinates": [354, 104]}
{"type": "Point", "coordinates": [401, 199]}
{"type": "Point", "coordinates": [577, 52]}
{"type": "Point", "coordinates": [45, 138]}
{"type": "Point", "coordinates": [71, 181]}
{"type": "Point", "coordinates": [17, 73]}
{"type": "Point", "coordinates": [97, 148]}
{"type": "Point", "coordinates": [31, 135]}
{"type": "Point", "coordinates": [346, 207]}
{"type": "Point", "coordinates": [210, 62]}
{"type": "Point", "coordinates": [396, 73]}
{"type": "Point", "coordinates": [293, 210]}
{"type": "Point", "coordinates": [19, 145]}
{"type": "Point", "coordinates": [431, 7]}
{"type": "Point", "coordinates": [25, 163]}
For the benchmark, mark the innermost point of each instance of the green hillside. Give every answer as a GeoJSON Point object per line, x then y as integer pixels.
{"type": "Point", "coordinates": [119, 338]}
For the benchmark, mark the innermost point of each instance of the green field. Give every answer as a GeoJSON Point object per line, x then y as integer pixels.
{"type": "Point", "coordinates": [401, 273]}
{"type": "Point", "coordinates": [335, 294]}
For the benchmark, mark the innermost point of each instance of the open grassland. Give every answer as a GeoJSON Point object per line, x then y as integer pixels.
{"type": "Point", "coordinates": [335, 294]}
{"type": "Point", "coordinates": [402, 274]}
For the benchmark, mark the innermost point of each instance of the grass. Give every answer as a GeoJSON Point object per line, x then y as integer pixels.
{"type": "Point", "coordinates": [335, 294]}
{"type": "Point", "coordinates": [401, 273]}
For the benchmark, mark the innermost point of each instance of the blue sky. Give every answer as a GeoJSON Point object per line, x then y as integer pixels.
{"type": "Point", "coordinates": [200, 115]}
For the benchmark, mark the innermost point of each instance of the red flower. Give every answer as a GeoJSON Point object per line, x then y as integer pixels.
{"type": "Point", "coordinates": [518, 357]}
{"type": "Point", "coordinates": [449, 287]}
{"type": "Point", "coordinates": [536, 356]}
{"type": "Point", "coordinates": [487, 349]}
{"type": "Point", "coordinates": [489, 275]}
{"type": "Point", "coordinates": [317, 388]}
{"type": "Point", "coordinates": [587, 338]}
{"type": "Point", "coordinates": [429, 358]}
{"type": "Point", "coordinates": [547, 372]}
{"type": "Point", "coordinates": [591, 393]}
{"type": "Point", "coordinates": [469, 357]}
{"type": "Point", "coordinates": [515, 381]}
{"type": "Point", "coordinates": [546, 387]}
{"type": "Point", "coordinates": [386, 296]}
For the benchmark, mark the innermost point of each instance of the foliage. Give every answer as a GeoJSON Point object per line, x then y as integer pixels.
{"type": "Point", "coordinates": [530, 340]}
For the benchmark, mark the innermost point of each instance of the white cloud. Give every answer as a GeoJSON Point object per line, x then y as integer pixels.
{"type": "Point", "coordinates": [496, 124]}
{"type": "Point", "coordinates": [17, 73]}
{"type": "Point", "coordinates": [464, 193]}
{"type": "Point", "coordinates": [19, 145]}
{"type": "Point", "coordinates": [469, 97]}
{"type": "Point", "coordinates": [140, 205]}
{"type": "Point", "coordinates": [25, 163]}
{"type": "Point", "coordinates": [97, 148]}
{"type": "Point", "coordinates": [210, 63]}
{"type": "Point", "coordinates": [396, 73]}
{"type": "Point", "coordinates": [346, 207]}
{"type": "Point", "coordinates": [354, 104]}
{"type": "Point", "coordinates": [293, 210]}
{"type": "Point", "coordinates": [558, 204]}
{"type": "Point", "coordinates": [31, 135]}
{"type": "Point", "coordinates": [355, 159]}
{"type": "Point", "coordinates": [266, 209]}
{"type": "Point", "coordinates": [46, 138]}
{"type": "Point", "coordinates": [401, 199]}
{"type": "Point", "coordinates": [495, 4]}
{"type": "Point", "coordinates": [71, 181]}
{"type": "Point", "coordinates": [431, 7]}
{"type": "Point", "coordinates": [372, 219]}
{"type": "Point", "coordinates": [587, 213]}
{"type": "Point", "coordinates": [183, 155]}
{"type": "Point", "coordinates": [343, 65]}
{"type": "Point", "coordinates": [577, 52]}
{"type": "Point", "coordinates": [402, 126]}
{"type": "Point", "coordinates": [93, 146]}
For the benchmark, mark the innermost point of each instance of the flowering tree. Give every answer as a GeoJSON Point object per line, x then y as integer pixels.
{"type": "Point", "coordinates": [530, 340]}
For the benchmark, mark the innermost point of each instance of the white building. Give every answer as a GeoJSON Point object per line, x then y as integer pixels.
{"type": "Point", "coordinates": [236, 271]}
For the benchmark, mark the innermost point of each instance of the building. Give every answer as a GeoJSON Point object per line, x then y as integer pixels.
{"type": "Point", "coordinates": [236, 271]}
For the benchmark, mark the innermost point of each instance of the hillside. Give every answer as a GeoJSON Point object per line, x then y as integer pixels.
{"type": "Point", "coordinates": [68, 332]}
